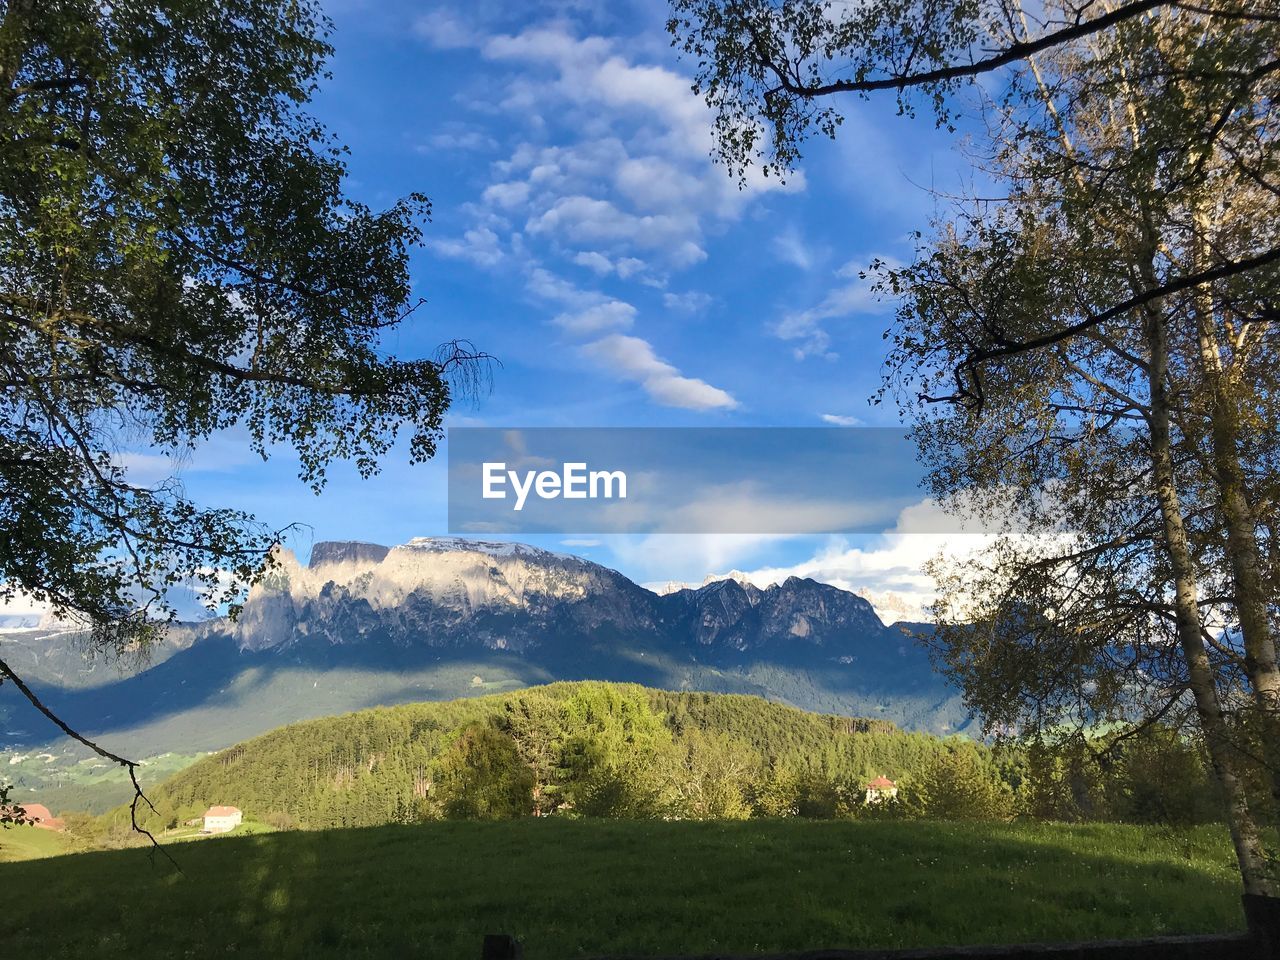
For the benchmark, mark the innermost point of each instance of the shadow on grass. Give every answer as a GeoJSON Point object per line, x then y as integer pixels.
{"type": "Point", "coordinates": [570, 888]}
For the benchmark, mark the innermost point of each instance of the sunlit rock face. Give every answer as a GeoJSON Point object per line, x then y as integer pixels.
{"type": "Point", "coordinates": [440, 591]}
{"type": "Point", "coordinates": [455, 593]}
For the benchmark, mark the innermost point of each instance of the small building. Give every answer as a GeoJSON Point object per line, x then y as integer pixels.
{"type": "Point", "coordinates": [35, 814]}
{"type": "Point", "coordinates": [881, 788]}
{"type": "Point", "coordinates": [222, 819]}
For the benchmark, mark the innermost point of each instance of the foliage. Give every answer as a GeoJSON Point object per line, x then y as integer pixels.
{"type": "Point", "coordinates": [711, 776]}
{"type": "Point", "coordinates": [611, 757]}
{"type": "Point", "coordinates": [177, 258]}
{"type": "Point", "coordinates": [773, 71]}
{"type": "Point", "coordinates": [959, 786]}
{"type": "Point", "coordinates": [480, 776]}
{"type": "Point", "coordinates": [10, 812]}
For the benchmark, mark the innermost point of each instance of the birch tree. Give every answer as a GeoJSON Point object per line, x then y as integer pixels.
{"type": "Point", "coordinates": [1096, 340]}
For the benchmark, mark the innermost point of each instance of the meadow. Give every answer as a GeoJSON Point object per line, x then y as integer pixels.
{"type": "Point", "coordinates": [584, 887]}
{"type": "Point", "coordinates": [29, 843]}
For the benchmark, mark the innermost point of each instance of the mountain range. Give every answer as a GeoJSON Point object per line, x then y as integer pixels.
{"type": "Point", "coordinates": [362, 624]}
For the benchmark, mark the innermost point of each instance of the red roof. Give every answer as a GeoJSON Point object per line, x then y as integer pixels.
{"type": "Point", "coordinates": [882, 783]}
{"type": "Point", "coordinates": [36, 812]}
{"type": "Point", "coordinates": [222, 811]}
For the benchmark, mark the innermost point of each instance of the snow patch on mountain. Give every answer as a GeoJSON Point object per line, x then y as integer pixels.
{"type": "Point", "coordinates": [737, 576]}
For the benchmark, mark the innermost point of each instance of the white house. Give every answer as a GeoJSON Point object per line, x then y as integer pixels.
{"type": "Point", "coordinates": [221, 819]}
{"type": "Point", "coordinates": [881, 788]}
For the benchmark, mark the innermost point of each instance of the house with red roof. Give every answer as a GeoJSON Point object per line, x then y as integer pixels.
{"type": "Point", "coordinates": [219, 819]}
{"type": "Point", "coordinates": [37, 815]}
{"type": "Point", "coordinates": [881, 788]}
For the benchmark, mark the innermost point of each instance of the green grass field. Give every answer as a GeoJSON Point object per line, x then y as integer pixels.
{"type": "Point", "coordinates": [28, 843]}
{"type": "Point", "coordinates": [571, 888]}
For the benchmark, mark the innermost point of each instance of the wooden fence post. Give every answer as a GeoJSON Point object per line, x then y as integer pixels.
{"type": "Point", "coordinates": [1263, 915]}
{"type": "Point", "coordinates": [501, 946]}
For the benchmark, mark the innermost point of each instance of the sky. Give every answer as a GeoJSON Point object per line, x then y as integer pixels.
{"type": "Point", "coordinates": [582, 235]}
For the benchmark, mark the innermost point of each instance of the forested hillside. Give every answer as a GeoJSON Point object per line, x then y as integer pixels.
{"type": "Point", "coordinates": [622, 750]}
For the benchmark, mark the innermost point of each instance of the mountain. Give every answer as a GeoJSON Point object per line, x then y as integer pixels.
{"type": "Point", "coordinates": [890, 607]}
{"type": "Point", "coordinates": [363, 625]}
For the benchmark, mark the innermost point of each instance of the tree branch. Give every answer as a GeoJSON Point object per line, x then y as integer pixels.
{"type": "Point", "coordinates": [1011, 54]}
{"type": "Point", "coordinates": [6, 672]}
{"type": "Point", "coordinates": [1231, 268]}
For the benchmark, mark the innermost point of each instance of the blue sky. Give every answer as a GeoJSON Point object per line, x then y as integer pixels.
{"type": "Point", "coordinates": [583, 236]}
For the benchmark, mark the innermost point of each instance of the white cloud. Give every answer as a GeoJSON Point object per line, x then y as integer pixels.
{"type": "Point", "coordinates": [631, 358]}
{"type": "Point", "coordinates": [594, 261]}
{"type": "Point", "coordinates": [580, 219]}
{"type": "Point", "coordinates": [610, 315]}
{"type": "Point", "coordinates": [639, 135]}
{"type": "Point", "coordinates": [444, 31]}
{"type": "Point", "coordinates": [547, 44]}
{"type": "Point", "coordinates": [628, 267]}
{"type": "Point", "coordinates": [805, 327]}
{"type": "Point", "coordinates": [458, 140]}
{"type": "Point", "coordinates": [615, 178]}
{"type": "Point", "coordinates": [652, 183]}
{"type": "Point", "coordinates": [790, 248]}
{"type": "Point", "coordinates": [543, 283]}
{"type": "Point", "coordinates": [479, 246]}
{"type": "Point", "coordinates": [589, 313]}
{"type": "Point", "coordinates": [692, 301]}
{"type": "Point", "coordinates": [507, 195]}
{"type": "Point", "coordinates": [660, 557]}
{"type": "Point", "coordinates": [890, 573]}
{"type": "Point", "coordinates": [22, 605]}
{"type": "Point", "coordinates": [840, 420]}
{"type": "Point", "coordinates": [602, 266]}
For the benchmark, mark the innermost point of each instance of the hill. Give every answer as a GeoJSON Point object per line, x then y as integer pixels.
{"type": "Point", "coordinates": [575, 888]}
{"type": "Point", "coordinates": [609, 749]}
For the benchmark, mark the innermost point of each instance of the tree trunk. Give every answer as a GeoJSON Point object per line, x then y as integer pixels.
{"type": "Point", "coordinates": [1242, 547]}
{"type": "Point", "coordinates": [15, 37]}
{"type": "Point", "coordinates": [1244, 831]}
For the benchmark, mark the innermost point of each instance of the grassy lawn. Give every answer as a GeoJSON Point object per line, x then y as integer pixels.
{"type": "Point", "coordinates": [27, 842]}
{"type": "Point", "coordinates": [249, 828]}
{"type": "Point", "coordinates": [571, 888]}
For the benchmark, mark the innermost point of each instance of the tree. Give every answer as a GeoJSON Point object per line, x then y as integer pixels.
{"type": "Point", "coordinates": [958, 786]}
{"type": "Point", "coordinates": [177, 258]}
{"type": "Point", "coordinates": [481, 776]}
{"type": "Point", "coordinates": [770, 69]}
{"type": "Point", "coordinates": [1106, 331]}
{"type": "Point", "coordinates": [11, 813]}
{"type": "Point", "coordinates": [1106, 202]}
{"type": "Point", "coordinates": [710, 775]}
{"type": "Point", "coordinates": [613, 753]}
{"type": "Point", "coordinates": [1160, 778]}
{"type": "Point", "coordinates": [536, 723]}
